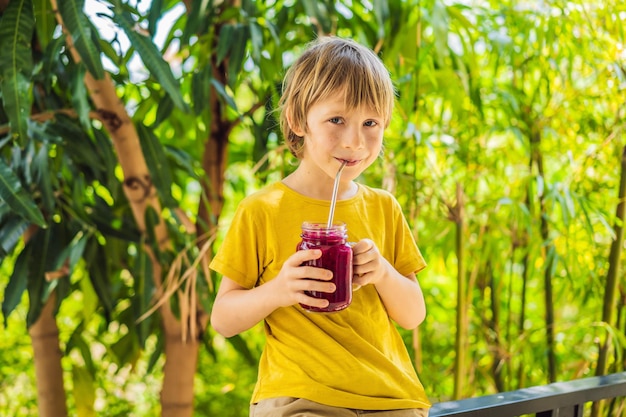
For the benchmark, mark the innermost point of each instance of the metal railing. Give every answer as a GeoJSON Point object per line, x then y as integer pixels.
{"type": "Point", "coordinates": [562, 399]}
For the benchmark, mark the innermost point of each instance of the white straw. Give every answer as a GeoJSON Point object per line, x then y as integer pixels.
{"type": "Point", "coordinates": [333, 201]}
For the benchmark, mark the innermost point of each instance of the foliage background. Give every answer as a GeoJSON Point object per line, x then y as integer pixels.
{"type": "Point", "coordinates": [505, 152]}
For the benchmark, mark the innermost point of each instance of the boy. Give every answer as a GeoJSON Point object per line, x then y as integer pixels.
{"type": "Point", "coordinates": [337, 101]}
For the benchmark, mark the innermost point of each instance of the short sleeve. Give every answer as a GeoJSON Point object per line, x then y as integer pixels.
{"type": "Point", "coordinates": [238, 256]}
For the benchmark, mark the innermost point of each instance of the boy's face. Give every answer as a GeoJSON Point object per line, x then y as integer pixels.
{"type": "Point", "coordinates": [335, 134]}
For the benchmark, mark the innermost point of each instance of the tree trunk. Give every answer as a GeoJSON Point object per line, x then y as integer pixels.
{"type": "Point", "coordinates": [214, 159]}
{"type": "Point", "coordinates": [181, 350]}
{"type": "Point", "coordinates": [612, 281]}
{"type": "Point", "coordinates": [214, 162]}
{"type": "Point", "coordinates": [181, 357]}
{"type": "Point", "coordinates": [47, 355]}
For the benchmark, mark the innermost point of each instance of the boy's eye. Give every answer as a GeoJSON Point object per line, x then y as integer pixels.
{"type": "Point", "coordinates": [370, 123]}
{"type": "Point", "coordinates": [335, 120]}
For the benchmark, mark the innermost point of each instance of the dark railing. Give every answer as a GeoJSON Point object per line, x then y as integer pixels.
{"type": "Point", "coordinates": [562, 399]}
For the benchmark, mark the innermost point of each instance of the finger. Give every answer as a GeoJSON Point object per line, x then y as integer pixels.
{"type": "Point", "coordinates": [362, 246]}
{"type": "Point", "coordinates": [314, 302]}
{"type": "Point", "coordinates": [301, 256]}
{"type": "Point", "coordinates": [313, 272]}
{"type": "Point", "coordinates": [319, 286]}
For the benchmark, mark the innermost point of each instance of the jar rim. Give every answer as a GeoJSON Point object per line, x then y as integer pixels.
{"type": "Point", "coordinates": [323, 226]}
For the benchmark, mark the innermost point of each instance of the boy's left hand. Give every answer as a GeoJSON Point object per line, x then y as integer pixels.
{"type": "Point", "coordinates": [368, 265]}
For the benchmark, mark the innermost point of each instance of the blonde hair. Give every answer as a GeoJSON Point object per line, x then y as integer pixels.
{"type": "Point", "coordinates": [332, 65]}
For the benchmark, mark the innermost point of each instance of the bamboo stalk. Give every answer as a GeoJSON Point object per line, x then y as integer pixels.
{"type": "Point", "coordinates": [548, 247]}
{"type": "Point", "coordinates": [612, 282]}
{"type": "Point", "coordinates": [460, 366]}
{"type": "Point", "coordinates": [498, 358]}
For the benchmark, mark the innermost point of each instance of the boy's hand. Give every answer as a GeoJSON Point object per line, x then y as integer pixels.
{"type": "Point", "coordinates": [368, 265]}
{"type": "Point", "coordinates": [295, 278]}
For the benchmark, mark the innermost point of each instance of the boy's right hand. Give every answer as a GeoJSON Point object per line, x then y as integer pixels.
{"type": "Point", "coordinates": [295, 278]}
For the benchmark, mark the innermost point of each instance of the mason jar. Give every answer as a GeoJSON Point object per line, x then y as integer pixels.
{"type": "Point", "coordinates": [336, 256]}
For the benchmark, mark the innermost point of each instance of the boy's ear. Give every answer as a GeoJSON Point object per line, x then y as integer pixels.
{"type": "Point", "coordinates": [295, 129]}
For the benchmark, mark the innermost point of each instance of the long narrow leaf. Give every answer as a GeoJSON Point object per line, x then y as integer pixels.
{"type": "Point", "coordinates": [98, 265]}
{"type": "Point", "coordinates": [45, 246]}
{"type": "Point", "coordinates": [12, 193]}
{"type": "Point", "coordinates": [157, 164]}
{"type": "Point", "coordinates": [151, 57]}
{"type": "Point", "coordinates": [78, 25]}
{"type": "Point", "coordinates": [16, 31]}
{"type": "Point", "coordinates": [41, 175]}
{"type": "Point", "coordinates": [222, 92]}
{"type": "Point", "coordinates": [17, 283]}
{"type": "Point", "coordinates": [10, 233]}
{"type": "Point", "coordinates": [84, 391]}
{"type": "Point", "coordinates": [144, 289]}
{"type": "Point", "coordinates": [237, 54]}
{"type": "Point", "coordinates": [45, 22]}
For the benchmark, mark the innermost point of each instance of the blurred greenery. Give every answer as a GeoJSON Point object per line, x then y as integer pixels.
{"type": "Point", "coordinates": [505, 151]}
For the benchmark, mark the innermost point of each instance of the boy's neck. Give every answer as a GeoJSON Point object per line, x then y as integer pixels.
{"type": "Point", "coordinates": [319, 188]}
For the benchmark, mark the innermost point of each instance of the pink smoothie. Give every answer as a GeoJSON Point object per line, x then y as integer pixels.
{"type": "Point", "coordinates": [336, 256]}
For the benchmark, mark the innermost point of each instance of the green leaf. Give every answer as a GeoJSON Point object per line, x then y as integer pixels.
{"type": "Point", "coordinates": [17, 198]}
{"type": "Point", "coordinates": [256, 40]}
{"type": "Point", "coordinates": [144, 290]}
{"type": "Point", "coordinates": [81, 32]}
{"type": "Point", "coordinates": [152, 219]}
{"type": "Point", "coordinates": [46, 245]}
{"type": "Point", "coordinates": [154, 15]}
{"type": "Point", "coordinates": [73, 252]}
{"type": "Point", "coordinates": [126, 350]}
{"type": "Point", "coordinates": [44, 21]}
{"type": "Point", "coordinates": [43, 178]}
{"type": "Point", "coordinates": [200, 89]}
{"type": "Point", "coordinates": [232, 43]}
{"type": "Point", "coordinates": [241, 346]}
{"type": "Point", "coordinates": [151, 57]}
{"type": "Point", "coordinates": [79, 147]}
{"type": "Point", "coordinates": [17, 283]}
{"type": "Point", "coordinates": [157, 164]}
{"type": "Point", "coordinates": [99, 272]}
{"type": "Point", "coordinates": [182, 161]}
{"type": "Point", "coordinates": [102, 142]}
{"type": "Point", "coordinates": [84, 391]}
{"type": "Point", "coordinates": [80, 96]}
{"type": "Point", "coordinates": [196, 20]}
{"type": "Point", "coordinates": [158, 351]}
{"type": "Point", "coordinates": [222, 92]}
{"type": "Point", "coordinates": [77, 341]}
{"type": "Point", "coordinates": [224, 42]}
{"type": "Point", "coordinates": [104, 218]}
{"type": "Point", "coordinates": [381, 11]}
{"type": "Point", "coordinates": [16, 65]}
{"type": "Point", "coordinates": [164, 110]}
{"type": "Point", "coordinates": [77, 248]}
{"type": "Point", "coordinates": [317, 9]}
{"type": "Point", "coordinates": [237, 54]}
{"type": "Point", "coordinates": [11, 231]}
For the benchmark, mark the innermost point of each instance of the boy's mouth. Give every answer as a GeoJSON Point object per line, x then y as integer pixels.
{"type": "Point", "coordinates": [349, 162]}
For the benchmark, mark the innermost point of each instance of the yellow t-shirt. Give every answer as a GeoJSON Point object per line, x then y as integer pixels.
{"type": "Point", "coordinates": [354, 358]}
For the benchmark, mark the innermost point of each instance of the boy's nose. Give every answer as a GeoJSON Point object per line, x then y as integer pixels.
{"type": "Point", "coordinates": [353, 139]}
